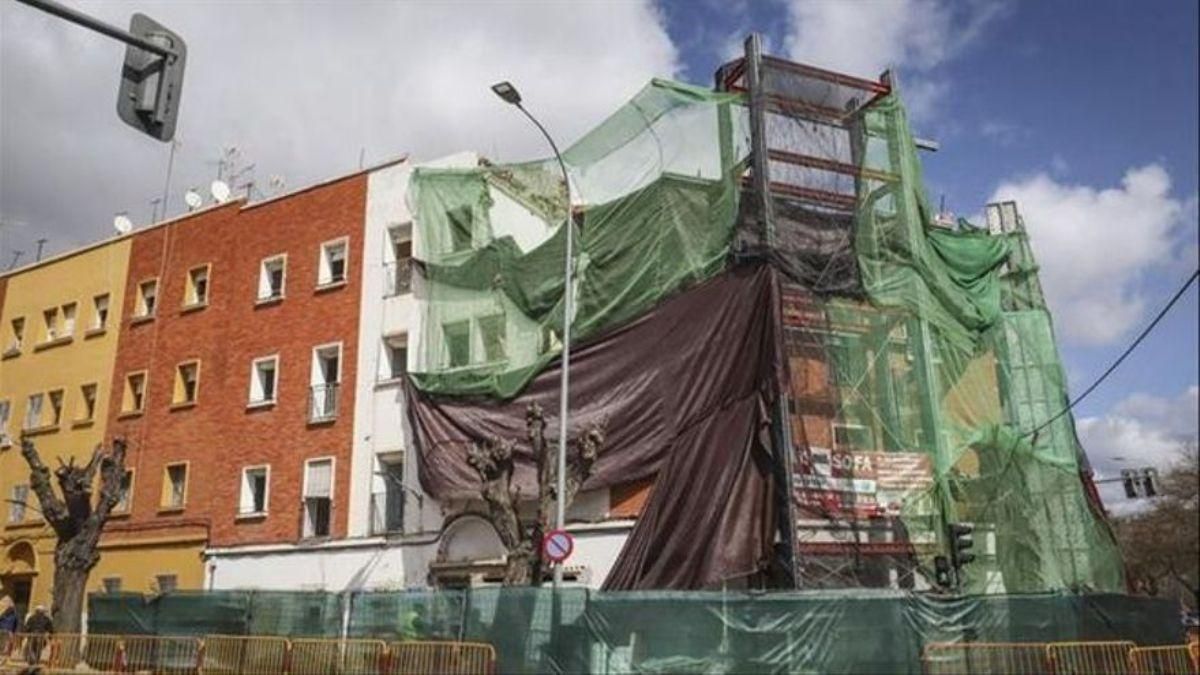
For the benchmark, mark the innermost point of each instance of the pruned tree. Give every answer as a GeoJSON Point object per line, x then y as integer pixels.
{"type": "Point", "coordinates": [1161, 544]}
{"type": "Point", "coordinates": [493, 461]}
{"type": "Point", "coordinates": [77, 517]}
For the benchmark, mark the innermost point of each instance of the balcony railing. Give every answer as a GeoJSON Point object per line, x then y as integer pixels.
{"type": "Point", "coordinates": [398, 277]}
{"type": "Point", "coordinates": [387, 513]}
{"type": "Point", "coordinates": [322, 402]}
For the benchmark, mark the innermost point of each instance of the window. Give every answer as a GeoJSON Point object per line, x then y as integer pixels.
{"type": "Point", "coordinates": [271, 278]}
{"type": "Point", "coordinates": [197, 287]}
{"type": "Point", "coordinates": [852, 437]}
{"type": "Point", "coordinates": [100, 312]}
{"type": "Point", "coordinates": [17, 501]}
{"type": "Point", "coordinates": [5, 410]}
{"type": "Point", "coordinates": [462, 227]}
{"type": "Point", "coordinates": [325, 376]}
{"type": "Point", "coordinates": [387, 507]}
{"type": "Point", "coordinates": [332, 265]}
{"type": "Point", "coordinates": [50, 325]}
{"type": "Point", "coordinates": [399, 269]}
{"type": "Point", "coordinates": [56, 407]}
{"type": "Point", "coordinates": [395, 349]}
{"type": "Point", "coordinates": [18, 336]}
{"type": "Point", "coordinates": [318, 497]}
{"type": "Point", "coordinates": [458, 343]}
{"type": "Point", "coordinates": [254, 491]}
{"type": "Point", "coordinates": [126, 495]}
{"type": "Point", "coordinates": [111, 585]}
{"type": "Point", "coordinates": [87, 403]}
{"type": "Point", "coordinates": [147, 298]}
{"type": "Point", "coordinates": [33, 411]}
{"type": "Point", "coordinates": [263, 374]}
{"type": "Point", "coordinates": [187, 383]}
{"type": "Point", "coordinates": [135, 393]}
{"type": "Point", "coordinates": [166, 583]}
{"type": "Point", "coordinates": [174, 492]}
{"type": "Point", "coordinates": [493, 334]}
{"type": "Point", "coordinates": [68, 315]}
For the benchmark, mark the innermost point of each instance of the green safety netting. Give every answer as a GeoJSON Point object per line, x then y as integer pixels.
{"type": "Point", "coordinates": [654, 198]}
{"type": "Point", "coordinates": [920, 357]}
{"type": "Point", "coordinates": [857, 631]}
{"type": "Point", "coordinates": [299, 613]}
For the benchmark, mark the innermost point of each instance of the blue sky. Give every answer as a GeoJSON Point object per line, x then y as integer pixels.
{"type": "Point", "coordinates": [1085, 112]}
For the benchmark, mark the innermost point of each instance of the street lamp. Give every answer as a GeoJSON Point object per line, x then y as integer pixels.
{"type": "Point", "coordinates": [509, 93]}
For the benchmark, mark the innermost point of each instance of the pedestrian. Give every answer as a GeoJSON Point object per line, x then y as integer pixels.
{"type": "Point", "coordinates": [9, 622]}
{"type": "Point", "coordinates": [38, 628]}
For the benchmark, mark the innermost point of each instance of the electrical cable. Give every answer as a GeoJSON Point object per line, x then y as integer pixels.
{"type": "Point", "coordinates": [1128, 350]}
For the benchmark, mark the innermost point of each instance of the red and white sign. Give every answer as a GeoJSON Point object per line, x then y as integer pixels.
{"type": "Point", "coordinates": [864, 483]}
{"type": "Point", "coordinates": [557, 546]}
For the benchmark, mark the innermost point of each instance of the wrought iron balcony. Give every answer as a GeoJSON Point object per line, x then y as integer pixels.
{"type": "Point", "coordinates": [322, 402]}
{"type": "Point", "coordinates": [398, 277]}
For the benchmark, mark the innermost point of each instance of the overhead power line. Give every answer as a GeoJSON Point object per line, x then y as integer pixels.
{"type": "Point", "coordinates": [1128, 350]}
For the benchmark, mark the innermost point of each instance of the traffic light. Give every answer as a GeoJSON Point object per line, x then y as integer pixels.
{"type": "Point", "coordinates": [961, 541]}
{"type": "Point", "coordinates": [1131, 481]}
{"type": "Point", "coordinates": [151, 84]}
{"type": "Point", "coordinates": [1150, 482]}
{"type": "Point", "coordinates": [941, 572]}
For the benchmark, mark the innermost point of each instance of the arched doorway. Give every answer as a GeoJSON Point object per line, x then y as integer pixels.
{"type": "Point", "coordinates": [18, 568]}
{"type": "Point", "coordinates": [470, 554]}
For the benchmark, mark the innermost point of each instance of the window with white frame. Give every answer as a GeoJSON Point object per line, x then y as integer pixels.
{"type": "Point", "coordinates": [18, 499]}
{"type": "Point", "coordinates": [399, 267]}
{"type": "Point", "coordinates": [493, 337]}
{"type": "Point", "coordinates": [174, 492]}
{"type": "Point", "coordinates": [254, 490]}
{"type": "Point", "coordinates": [68, 317]}
{"type": "Point", "coordinates": [264, 375]}
{"type": "Point", "coordinates": [33, 411]}
{"type": "Point", "coordinates": [326, 374]}
{"type": "Point", "coordinates": [100, 312]}
{"type": "Point", "coordinates": [56, 407]}
{"type": "Point", "coordinates": [134, 399]}
{"type": "Point", "coordinates": [166, 583]}
{"type": "Point", "coordinates": [395, 357]}
{"type": "Point", "coordinates": [50, 331]}
{"type": "Point", "coordinates": [17, 338]}
{"type": "Point", "coordinates": [87, 403]}
{"type": "Point", "coordinates": [197, 286]}
{"type": "Point", "coordinates": [457, 336]}
{"type": "Point", "coordinates": [187, 383]}
{"type": "Point", "coordinates": [271, 277]}
{"type": "Point", "coordinates": [332, 265]}
{"type": "Point", "coordinates": [318, 497]}
{"type": "Point", "coordinates": [5, 411]}
{"type": "Point", "coordinates": [147, 298]}
{"type": "Point", "coordinates": [111, 585]}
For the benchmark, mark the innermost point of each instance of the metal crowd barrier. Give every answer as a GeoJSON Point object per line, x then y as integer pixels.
{"type": "Point", "coordinates": [1059, 658]}
{"type": "Point", "coordinates": [240, 655]}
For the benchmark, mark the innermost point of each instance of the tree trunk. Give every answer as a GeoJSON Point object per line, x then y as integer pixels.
{"type": "Point", "coordinates": [70, 590]}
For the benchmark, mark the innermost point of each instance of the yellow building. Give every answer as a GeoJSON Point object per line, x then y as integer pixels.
{"type": "Point", "coordinates": [59, 325]}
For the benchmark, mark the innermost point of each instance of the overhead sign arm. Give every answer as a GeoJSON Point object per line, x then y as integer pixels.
{"type": "Point", "coordinates": [152, 74]}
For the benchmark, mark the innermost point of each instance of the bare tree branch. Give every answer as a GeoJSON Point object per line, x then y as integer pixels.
{"type": "Point", "coordinates": [53, 508]}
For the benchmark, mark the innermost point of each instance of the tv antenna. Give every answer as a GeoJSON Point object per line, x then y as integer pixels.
{"type": "Point", "coordinates": [40, 242]}
{"type": "Point", "coordinates": [16, 256]}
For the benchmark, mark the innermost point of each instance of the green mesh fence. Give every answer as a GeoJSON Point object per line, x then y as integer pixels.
{"type": "Point", "coordinates": [859, 630]}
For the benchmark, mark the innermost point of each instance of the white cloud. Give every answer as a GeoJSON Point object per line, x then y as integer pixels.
{"type": "Point", "coordinates": [865, 38]}
{"type": "Point", "coordinates": [1142, 430]}
{"type": "Point", "coordinates": [301, 88]}
{"type": "Point", "coordinates": [1095, 245]}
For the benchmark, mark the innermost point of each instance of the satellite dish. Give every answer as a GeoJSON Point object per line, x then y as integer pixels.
{"type": "Point", "coordinates": [219, 191]}
{"type": "Point", "coordinates": [122, 224]}
{"type": "Point", "coordinates": [192, 199]}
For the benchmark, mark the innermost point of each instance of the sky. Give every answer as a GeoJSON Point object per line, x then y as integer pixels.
{"type": "Point", "coordinates": [1083, 112]}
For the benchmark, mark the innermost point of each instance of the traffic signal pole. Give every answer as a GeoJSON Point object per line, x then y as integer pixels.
{"type": "Point", "coordinates": [81, 19]}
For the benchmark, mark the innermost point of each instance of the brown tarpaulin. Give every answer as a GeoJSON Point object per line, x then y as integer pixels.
{"type": "Point", "coordinates": [683, 393]}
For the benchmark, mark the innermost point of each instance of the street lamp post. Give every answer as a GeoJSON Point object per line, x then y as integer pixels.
{"type": "Point", "coordinates": [507, 92]}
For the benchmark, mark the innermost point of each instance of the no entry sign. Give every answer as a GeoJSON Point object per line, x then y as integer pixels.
{"type": "Point", "coordinates": [557, 546]}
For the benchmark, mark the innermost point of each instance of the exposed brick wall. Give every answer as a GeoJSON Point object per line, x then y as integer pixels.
{"type": "Point", "coordinates": [219, 436]}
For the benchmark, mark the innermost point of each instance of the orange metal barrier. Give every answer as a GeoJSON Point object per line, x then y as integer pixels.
{"type": "Point", "coordinates": [244, 655]}
{"type": "Point", "coordinates": [161, 655]}
{"type": "Point", "coordinates": [1171, 660]}
{"type": "Point", "coordinates": [441, 658]}
{"type": "Point", "coordinates": [985, 658]}
{"type": "Point", "coordinates": [312, 656]}
{"type": "Point", "coordinates": [1090, 658]}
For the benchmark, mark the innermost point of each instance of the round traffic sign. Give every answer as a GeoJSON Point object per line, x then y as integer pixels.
{"type": "Point", "coordinates": [557, 545]}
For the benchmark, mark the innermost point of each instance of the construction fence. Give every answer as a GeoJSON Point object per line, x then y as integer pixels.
{"type": "Point", "coordinates": [1062, 658]}
{"type": "Point", "coordinates": [240, 655]}
{"type": "Point", "coordinates": [534, 631]}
